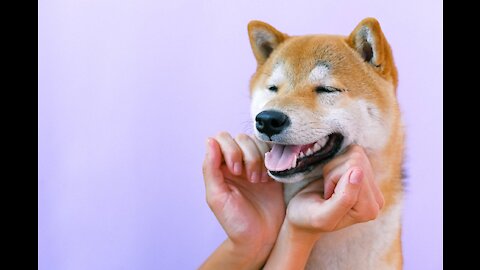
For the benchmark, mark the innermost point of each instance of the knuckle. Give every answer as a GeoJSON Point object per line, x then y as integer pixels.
{"type": "Point", "coordinates": [260, 142]}
{"type": "Point", "coordinates": [213, 202]}
{"type": "Point", "coordinates": [356, 149]}
{"type": "Point", "coordinates": [371, 214]}
{"type": "Point", "coordinates": [223, 135]}
{"type": "Point", "coordinates": [236, 154]}
{"type": "Point", "coordinates": [254, 162]}
{"type": "Point", "coordinates": [356, 155]}
{"type": "Point", "coordinates": [242, 137]}
{"type": "Point", "coordinates": [352, 162]}
{"type": "Point", "coordinates": [210, 202]}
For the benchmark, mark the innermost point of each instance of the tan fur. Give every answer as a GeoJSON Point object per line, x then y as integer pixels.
{"type": "Point", "coordinates": [391, 257]}
{"type": "Point", "coordinates": [375, 82]}
{"type": "Point", "coordinates": [384, 62]}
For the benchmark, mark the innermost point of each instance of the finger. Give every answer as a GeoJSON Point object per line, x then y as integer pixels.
{"type": "Point", "coordinates": [331, 180]}
{"type": "Point", "coordinates": [362, 160]}
{"type": "Point", "coordinates": [212, 175]}
{"type": "Point", "coordinates": [252, 157]}
{"type": "Point", "coordinates": [365, 209]}
{"type": "Point", "coordinates": [231, 152]}
{"type": "Point", "coordinates": [333, 170]}
{"type": "Point", "coordinates": [369, 175]}
{"type": "Point", "coordinates": [263, 147]}
{"type": "Point", "coordinates": [344, 197]}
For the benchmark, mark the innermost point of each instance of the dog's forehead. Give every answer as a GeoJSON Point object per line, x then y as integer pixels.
{"type": "Point", "coordinates": [320, 72]}
{"type": "Point", "coordinates": [309, 57]}
{"type": "Point", "coordinates": [278, 73]}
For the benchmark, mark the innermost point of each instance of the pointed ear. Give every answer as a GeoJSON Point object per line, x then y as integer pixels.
{"type": "Point", "coordinates": [264, 38]}
{"type": "Point", "coordinates": [368, 40]}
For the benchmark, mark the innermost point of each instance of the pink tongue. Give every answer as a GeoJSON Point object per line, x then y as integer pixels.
{"type": "Point", "coordinates": [281, 157]}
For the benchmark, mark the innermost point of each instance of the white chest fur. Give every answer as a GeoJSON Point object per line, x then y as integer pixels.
{"type": "Point", "coordinates": [358, 247]}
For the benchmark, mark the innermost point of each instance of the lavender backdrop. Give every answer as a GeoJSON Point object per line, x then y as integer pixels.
{"type": "Point", "coordinates": [129, 91]}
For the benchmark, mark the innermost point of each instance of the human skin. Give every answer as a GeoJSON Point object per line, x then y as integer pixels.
{"type": "Point", "coordinates": [351, 196]}
{"type": "Point", "coordinates": [247, 203]}
{"type": "Point", "coordinates": [261, 232]}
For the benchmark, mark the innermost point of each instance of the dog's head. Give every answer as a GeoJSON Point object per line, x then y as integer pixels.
{"type": "Point", "coordinates": [314, 95]}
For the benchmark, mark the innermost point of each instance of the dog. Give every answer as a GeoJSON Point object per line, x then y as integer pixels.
{"type": "Point", "coordinates": [311, 97]}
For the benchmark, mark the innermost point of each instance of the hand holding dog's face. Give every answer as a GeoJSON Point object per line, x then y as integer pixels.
{"type": "Point", "coordinates": [351, 196]}
{"type": "Point", "coordinates": [249, 206]}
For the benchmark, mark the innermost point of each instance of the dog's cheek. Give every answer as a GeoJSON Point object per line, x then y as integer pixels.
{"type": "Point", "coordinates": [368, 127]}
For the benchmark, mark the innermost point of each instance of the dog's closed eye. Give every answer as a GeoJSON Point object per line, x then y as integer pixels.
{"type": "Point", "coordinates": [273, 88]}
{"type": "Point", "coordinates": [327, 89]}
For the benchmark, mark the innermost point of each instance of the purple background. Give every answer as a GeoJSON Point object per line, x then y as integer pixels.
{"type": "Point", "coordinates": [130, 90]}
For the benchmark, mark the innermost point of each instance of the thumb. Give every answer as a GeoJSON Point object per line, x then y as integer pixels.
{"type": "Point", "coordinates": [345, 195]}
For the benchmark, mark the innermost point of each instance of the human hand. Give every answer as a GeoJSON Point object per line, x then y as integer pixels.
{"type": "Point", "coordinates": [246, 201]}
{"type": "Point", "coordinates": [351, 196]}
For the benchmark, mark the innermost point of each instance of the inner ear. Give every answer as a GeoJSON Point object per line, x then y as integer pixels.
{"type": "Point", "coordinates": [264, 39]}
{"type": "Point", "coordinates": [364, 44]}
{"type": "Point", "coordinates": [265, 42]}
{"type": "Point", "coordinates": [369, 42]}
{"type": "Point", "coordinates": [366, 51]}
{"type": "Point", "coordinates": [267, 49]}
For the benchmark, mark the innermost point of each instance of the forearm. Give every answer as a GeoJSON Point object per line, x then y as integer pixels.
{"type": "Point", "coordinates": [230, 256]}
{"type": "Point", "coordinates": [292, 249]}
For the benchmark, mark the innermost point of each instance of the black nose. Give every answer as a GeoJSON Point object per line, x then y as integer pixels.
{"type": "Point", "coordinates": [271, 122]}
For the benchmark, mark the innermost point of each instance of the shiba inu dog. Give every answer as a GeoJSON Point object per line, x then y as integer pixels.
{"type": "Point", "coordinates": [311, 97]}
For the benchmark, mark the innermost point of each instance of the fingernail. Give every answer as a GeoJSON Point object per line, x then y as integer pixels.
{"type": "Point", "coordinates": [355, 176]}
{"type": "Point", "coordinates": [237, 168]}
{"type": "Point", "coordinates": [254, 178]}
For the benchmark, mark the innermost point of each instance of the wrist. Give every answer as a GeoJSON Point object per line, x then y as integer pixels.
{"type": "Point", "coordinates": [300, 236]}
{"type": "Point", "coordinates": [292, 248]}
{"type": "Point", "coordinates": [253, 255]}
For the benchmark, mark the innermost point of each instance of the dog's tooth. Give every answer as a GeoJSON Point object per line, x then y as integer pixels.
{"type": "Point", "coordinates": [294, 162]}
{"type": "Point", "coordinates": [316, 147]}
{"type": "Point", "coordinates": [301, 155]}
{"type": "Point", "coordinates": [322, 142]}
{"type": "Point", "coordinates": [309, 152]}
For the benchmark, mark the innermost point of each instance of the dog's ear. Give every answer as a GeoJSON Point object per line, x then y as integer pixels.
{"type": "Point", "coordinates": [369, 41]}
{"type": "Point", "coordinates": [264, 38]}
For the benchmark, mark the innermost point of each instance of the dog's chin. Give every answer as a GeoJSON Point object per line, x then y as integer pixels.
{"type": "Point", "coordinates": [297, 177]}
{"type": "Point", "coordinates": [308, 166]}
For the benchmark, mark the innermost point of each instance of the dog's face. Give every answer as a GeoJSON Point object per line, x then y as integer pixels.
{"type": "Point", "coordinates": [314, 95]}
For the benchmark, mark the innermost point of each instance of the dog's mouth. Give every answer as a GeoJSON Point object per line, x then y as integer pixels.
{"type": "Point", "coordinates": [286, 160]}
